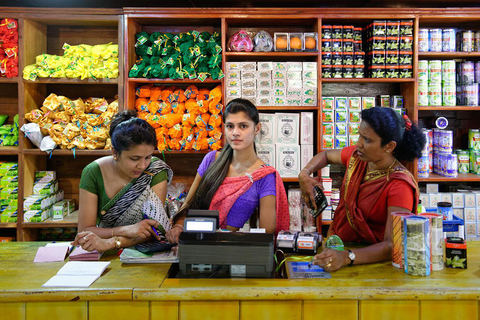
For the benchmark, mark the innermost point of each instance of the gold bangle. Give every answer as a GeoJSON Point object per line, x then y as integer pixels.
{"type": "Point", "coordinates": [118, 243]}
{"type": "Point", "coordinates": [112, 233]}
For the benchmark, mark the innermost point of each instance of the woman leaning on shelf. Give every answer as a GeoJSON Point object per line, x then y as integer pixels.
{"type": "Point", "coordinates": [236, 181]}
{"type": "Point", "coordinates": [116, 191]}
{"type": "Point", "coordinates": [375, 185]}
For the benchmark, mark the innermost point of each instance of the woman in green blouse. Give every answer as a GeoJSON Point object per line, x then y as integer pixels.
{"type": "Point", "coordinates": [118, 192]}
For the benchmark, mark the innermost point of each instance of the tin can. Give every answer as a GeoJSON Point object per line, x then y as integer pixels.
{"type": "Point", "coordinates": [467, 72]}
{"type": "Point", "coordinates": [441, 164]}
{"type": "Point", "coordinates": [467, 41]}
{"type": "Point", "coordinates": [477, 41]}
{"type": "Point", "coordinates": [423, 166]}
{"type": "Point", "coordinates": [445, 209]}
{"type": "Point", "coordinates": [430, 162]}
{"type": "Point", "coordinates": [397, 237]}
{"type": "Point", "coordinates": [451, 166]}
{"type": "Point", "coordinates": [428, 133]}
{"type": "Point", "coordinates": [423, 71]}
{"type": "Point", "coordinates": [434, 94]}
{"type": "Point", "coordinates": [463, 160]}
{"type": "Point", "coordinates": [435, 40]}
{"type": "Point", "coordinates": [326, 32]}
{"type": "Point", "coordinates": [437, 135]}
{"type": "Point", "coordinates": [448, 40]}
{"type": "Point", "coordinates": [447, 141]}
{"type": "Point", "coordinates": [475, 161]}
{"type": "Point", "coordinates": [477, 72]}
{"type": "Point", "coordinates": [435, 71]}
{"type": "Point", "coordinates": [435, 161]}
{"type": "Point", "coordinates": [474, 139]}
{"type": "Point", "coordinates": [449, 95]}
{"type": "Point", "coordinates": [460, 97]}
{"type": "Point", "coordinates": [423, 94]}
{"type": "Point", "coordinates": [471, 94]}
{"type": "Point", "coordinates": [423, 40]}
{"type": "Point", "coordinates": [337, 32]}
{"type": "Point", "coordinates": [448, 72]}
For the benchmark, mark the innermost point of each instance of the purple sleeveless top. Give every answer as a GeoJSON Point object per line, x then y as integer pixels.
{"type": "Point", "coordinates": [245, 205]}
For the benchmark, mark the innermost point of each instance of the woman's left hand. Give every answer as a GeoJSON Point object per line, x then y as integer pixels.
{"type": "Point", "coordinates": [330, 259]}
{"type": "Point", "coordinates": [90, 242]}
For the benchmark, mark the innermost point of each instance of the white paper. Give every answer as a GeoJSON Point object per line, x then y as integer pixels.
{"type": "Point", "coordinates": [78, 274]}
{"type": "Point", "coordinates": [70, 281]}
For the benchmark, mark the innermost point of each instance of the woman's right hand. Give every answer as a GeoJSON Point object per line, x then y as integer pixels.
{"type": "Point", "coordinates": [142, 230]}
{"type": "Point", "coordinates": [174, 233]}
{"type": "Point", "coordinates": [306, 185]}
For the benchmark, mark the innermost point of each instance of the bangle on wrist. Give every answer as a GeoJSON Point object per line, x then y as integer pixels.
{"type": "Point", "coordinates": [112, 233]}
{"type": "Point", "coordinates": [118, 243]}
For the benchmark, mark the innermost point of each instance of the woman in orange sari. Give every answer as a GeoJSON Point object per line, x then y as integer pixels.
{"type": "Point", "coordinates": [375, 185]}
{"type": "Point", "coordinates": [235, 181]}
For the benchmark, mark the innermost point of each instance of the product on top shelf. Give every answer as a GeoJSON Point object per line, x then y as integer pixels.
{"type": "Point", "coordinates": [82, 124]}
{"type": "Point", "coordinates": [79, 61]}
{"type": "Point", "coordinates": [188, 55]}
{"type": "Point", "coordinates": [187, 119]}
{"type": "Point", "coordinates": [9, 48]}
{"type": "Point", "coordinates": [263, 41]}
{"type": "Point", "coordinates": [240, 41]}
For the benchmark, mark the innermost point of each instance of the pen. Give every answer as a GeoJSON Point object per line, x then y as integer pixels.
{"type": "Point", "coordinates": [154, 230]}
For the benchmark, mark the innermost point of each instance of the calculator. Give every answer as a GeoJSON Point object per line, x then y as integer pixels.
{"type": "Point", "coordinates": [154, 246]}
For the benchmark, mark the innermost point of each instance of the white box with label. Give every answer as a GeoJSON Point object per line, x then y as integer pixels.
{"type": "Point", "coordinates": [287, 160]}
{"type": "Point", "coordinates": [434, 199]}
{"type": "Point", "coordinates": [432, 187]}
{"type": "Point", "coordinates": [306, 154]}
{"type": "Point", "coordinates": [268, 130]}
{"type": "Point", "coordinates": [470, 214]}
{"type": "Point", "coordinates": [287, 128]}
{"type": "Point", "coordinates": [458, 200]}
{"type": "Point", "coordinates": [446, 197]}
{"type": "Point", "coordinates": [458, 212]}
{"type": "Point", "coordinates": [306, 132]}
{"type": "Point", "coordinates": [266, 152]}
{"type": "Point", "coordinates": [470, 201]}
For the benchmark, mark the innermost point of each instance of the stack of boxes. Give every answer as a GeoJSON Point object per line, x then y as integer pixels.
{"type": "Point", "coordinates": [390, 48]}
{"type": "Point", "coordinates": [46, 201]}
{"type": "Point", "coordinates": [342, 55]}
{"type": "Point", "coordinates": [8, 191]}
{"type": "Point", "coordinates": [273, 83]}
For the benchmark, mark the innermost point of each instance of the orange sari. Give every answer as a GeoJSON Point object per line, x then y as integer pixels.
{"type": "Point", "coordinates": [360, 193]}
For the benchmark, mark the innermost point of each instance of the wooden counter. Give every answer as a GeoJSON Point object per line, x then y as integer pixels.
{"type": "Point", "coordinates": [377, 291]}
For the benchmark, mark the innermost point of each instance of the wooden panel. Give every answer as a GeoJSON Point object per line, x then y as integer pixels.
{"type": "Point", "coordinates": [164, 310]}
{"type": "Point", "coordinates": [278, 310]}
{"type": "Point", "coordinates": [119, 310]}
{"type": "Point", "coordinates": [34, 39]}
{"type": "Point", "coordinates": [9, 100]}
{"type": "Point", "coordinates": [393, 310]}
{"type": "Point", "coordinates": [449, 310]}
{"type": "Point", "coordinates": [13, 310]}
{"type": "Point", "coordinates": [333, 309]}
{"type": "Point", "coordinates": [56, 310]}
{"type": "Point", "coordinates": [212, 310]}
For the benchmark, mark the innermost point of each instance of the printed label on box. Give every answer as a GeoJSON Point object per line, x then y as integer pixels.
{"type": "Point", "coordinates": [287, 128]}
{"type": "Point", "coordinates": [288, 160]}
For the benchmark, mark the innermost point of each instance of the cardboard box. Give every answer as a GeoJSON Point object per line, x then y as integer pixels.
{"type": "Point", "coordinates": [432, 187]}
{"type": "Point", "coordinates": [470, 214]}
{"type": "Point", "coordinates": [458, 200]}
{"type": "Point", "coordinates": [434, 199]}
{"type": "Point", "coordinates": [307, 130]}
{"type": "Point", "coordinates": [459, 213]}
{"type": "Point", "coordinates": [425, 199]}
{"type": "Point", "coordinates": [325, 172]}
{"type": "Point", "coordinates": [266, 152]}
{"type": "Point", "coordinates": [470, 201]}
{"type": "Point", "coordinates": [306, 154]}
{"type": "Point", "coordinates": [60, 210]}
{"type": "Point", "coordinates": [287, 128]}
{"type": "Point", "coordinates": [268, 129]}
{"type": "Point", "coordinates": [445, 197]}
{"type": "Point", "coordinates": [288, 160]}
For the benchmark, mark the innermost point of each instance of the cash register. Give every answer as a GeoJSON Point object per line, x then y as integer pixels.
{"type": "Point", "coordinates": [205, 252]}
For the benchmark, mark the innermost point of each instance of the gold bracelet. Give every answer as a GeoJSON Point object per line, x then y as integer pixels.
{"type": "Point", "coordinates": [118, 243]}
{"type": "Point", "coordinates": [112, 233]}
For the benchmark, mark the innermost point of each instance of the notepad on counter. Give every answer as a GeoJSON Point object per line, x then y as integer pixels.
{"type": "Point", "coordinates": [134, 256]}
{"type": "Point", "coordinates": [77, 274]}
{"type": "Point", "coordinates": [79, 254]}
{"type": "Point", "coordinates": [51, 254]}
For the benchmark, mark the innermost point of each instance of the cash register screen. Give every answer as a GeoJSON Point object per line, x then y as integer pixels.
{"type": "Point", "coordinates": [199, 226]}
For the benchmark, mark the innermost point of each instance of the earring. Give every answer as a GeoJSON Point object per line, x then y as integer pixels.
{"type": "Point", "coordinates": [115, 158]}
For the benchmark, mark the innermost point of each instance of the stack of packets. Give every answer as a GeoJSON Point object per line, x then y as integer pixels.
{"type": "Point", "coordinates": [9, 48]}
{"type": "Point", "coordinates": [9, 133]}
{"type": "Point", "coordinates": [300, 217]}
{"type": "Point", "coordinates": [82, 61]}
{"type": "Point", "coordinates": [273, 83]}
{"type": "Point", "coordinates": [77, 123]}
{"type": "Point", "coordinates": [183, 119]}
{"type": "Point", "coordinates": [189, 55]}
{"type": "Point", "coordinates": [46, 201]}
{"type": "Point", "coordinates": [8, 191]}
{"type": "Point", "coordinates": [284, 139]}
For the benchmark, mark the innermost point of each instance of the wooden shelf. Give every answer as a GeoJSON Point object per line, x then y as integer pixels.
{"type": "Point", "coordinates": [62, 152]}
{"type": "Point", "coordinates": [171, 81]}
{"type": "Point", "coordinates": [5, 225]}
{"type": "Point", "coordinates": [180, 152]}
{"type": "Point", "coordinates": [366, 80]}
{"type": "Point", "coordinates": [271, 54]}
{"type": "Point", "coordinates": [70, 221]}
{"type": "Point", "coordinates": [288, 108]}
{"type": "Point", "coordinates": [462, 177]}
{"type": "Point", "coordinates": [9, 151]}
{"type": "Point", "coordinates": [456, 108]}
{"type": "Point", "coordinates": [326, 222]}
{"type": "Point", "coordinates": [449, 55]}
{"type": "Point", "coordinates": [9, 80]}
{"type": "Point", "coordinates": [73, 81]}
{"type": "Point", "coordinates": [290, 179]}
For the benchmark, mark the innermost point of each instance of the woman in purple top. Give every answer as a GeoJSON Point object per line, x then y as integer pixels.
{"type": "Point", "coordinates": [217, 181]}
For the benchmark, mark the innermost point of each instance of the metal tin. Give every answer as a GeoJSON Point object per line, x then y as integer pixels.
{"type": "Point", "coordinates": [460, 98]}
{"type": "Point", "coordinates": [437, 135]}
{"type": "Point", "coordinates": [422, 71]}
{"type": "Point", "coordinates": [471, 94]}
{"type": "Point", "coordinates": [449, 95]}
{"type": "Point", "coordinates": [445, 209]}
{"type": "Point", "coordinates": [423, 40]}
{"type": "Point", "coordinates": [435, 71]}
{"type": "Point", "coordinates": [448, 72]}
{"type": "Point", "coordinates": [475, 165]}
{"type": "Point", "coordinates": [463, 160]}
{"type": "Point", "coordinates": [477, 72]}
{"type": "Point", "coordinates": [474, 139]}
{"type": "Point", "coordinates": [434, 94]}
{"type": "Point", "coordinates": [467, 72]}
{"type": "Point", "coordinates": [448, 40]}
{"type": "Point", "coordinates": [423, 166]}
{"type": "Point", "coordinates": [477, 41]}
{"type": "Point", "coordinates": [423, 95]}
{"type": "Point", "coordinates": [467, 41]}
{"type": "Point", "coordinates": [430, 162]}
{"type": "Point", "coordinates": [428, 133]}
{"type": "Point", "coordinates": [447, 141]}
{"type": "Point", "coordinates": [326, 32]}
{"type": "Point", "coordinates": [435, 162]}
{"type": "Point", "coordinates": [451, 166]}
{"type": "Point", "coordinates": [441, 123]}
{"type": "Point", "coordinates": [435, 40]}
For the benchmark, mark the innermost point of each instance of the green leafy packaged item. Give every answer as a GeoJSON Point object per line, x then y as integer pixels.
{"type": "Point", "coordinates": [9, 181]}
{"type": "Point", "coordinates": [417, 246]}
{"type": "Point", "coordinates": [45, 188]}
{"type": "Point", "coordinates": [9, 169]}
{"type": "Point", "coordinates": [456, 253]}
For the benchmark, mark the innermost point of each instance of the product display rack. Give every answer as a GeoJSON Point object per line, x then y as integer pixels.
{"type": "Point", "coordinates": [45, 30]}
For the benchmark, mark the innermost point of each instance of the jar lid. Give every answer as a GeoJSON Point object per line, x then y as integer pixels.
{"type": "Point", "coordinates": [441, 122]}
{"type": "Point", "coordinates": [444, 204]}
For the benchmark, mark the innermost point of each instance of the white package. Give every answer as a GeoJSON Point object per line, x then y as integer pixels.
{"type": "Point", "coordinates": [434, 199]}
{"type": "Point", "coordinates": [446, 197]}
{"type": "Point", "coordinates": [432, 187]}
{"type": "Point", "coordinates": [470, 200]}
{"type": "Point", "coordinates": [306, 154]}
{"type": "Point", "coordinates": [458, 200]}
{"type": "Point", "coordinates": [307, 130]}
{"type": "Point", "coordinates": [287, 128]}
{"type": "Point", "coordinates": [288, 160]}
{"type": "Point", "coordinates": [266, 152]}
{"type": "Point", "coordinates": [268, 131]}
{"type": "Point", "coordinates": [470, 214]}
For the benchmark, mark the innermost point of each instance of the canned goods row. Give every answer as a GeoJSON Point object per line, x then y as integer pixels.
{"type": "Point", "coordinates": [342, 32]}
{"type": "Point", "coordinates": [343, 58]}
{"type": "Point", "coordinates": [437, 71]}
{"type": "Point", "coordinates": [329, 71]}
{"type": "Point", "coordinates": [436, 94]}
{"type": "Point", "coordinates": [448, 40]}
{"type": "Point", "coordinates": [339, 45]}
{"type": "Point", "coordinates": [390, 28]}
{"type": "Point", "coordinates": [442, 140]}
{"type": "Point", "coordinates": [445, 164]}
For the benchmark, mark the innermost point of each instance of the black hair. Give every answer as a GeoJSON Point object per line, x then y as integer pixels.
{"type": "Point", "coordinates": [127, 131]}
{"type": "Point", "coordinates": [390, 126]}
{"type": "Point", "coordinates": [216, 173]}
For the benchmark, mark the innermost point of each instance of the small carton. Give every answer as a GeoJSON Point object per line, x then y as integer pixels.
{"type": "Point", "coordinates": [265, 65]}
{"type": "Point", "coordinates": [307, 129]}
{"type": "Point", "coordinates": [264, 74]}
{"type": "Point", "coordinates": [328, 116]}
{"type": "Point", "coordinates": [279, 74]}
{"type": "Point", "coordinates": [470, 214]}
{"type": "Point", "coordinates": [470, 200]}
{"type": "Point", "coordinates": [458, 200]}
{"type": "Point", "coordinates": [341, 115]}
{"type": "Point", "coordinates": [312, 66]}
{"type": "Point", "coordinates": [249, 75]}
{"type": "Point", "coordinates": [294, 66]}
{"type": "Point", "coordinates": [230, 66]}
{"type": "Point", "coordinates": [354, 116]}
{"type": "Point", "coordinates": [45, 176]}
{"type": "Point", "coordinates": [368, 102]}
{"type": "Point", "coordinates": [325, 172]}
{"type": "Point", "coordinates": [353, 128]}
{"type": "Point", "coordinates": [8, 181]}
{"type": "Point", "coordinates": [341, 103]}
{"type": "Point", "coordinates": [327, 184]}
{"type": "Point", "coordinates": [266, 152]}
{"type": "Point", "coordinates": [455, 253]}
{"type": "Point", "coordinates": [264, 83]}
{"type": "Point", "coordinates": [60, 210]}
{"type": "Point", "coordinates": [231, 83]}
{"type": "Point", "coordinates": [341, 141]}
{"type": "Point", "coordinates": [248, 66]}
{"type": "Point", "coordinates": [233, 74]}
{"type": "Point", "coordinates": [352, 139]}
{"type": "Point", "coordinates": [295, 84]}
{"type": "Point", "coordinates": [445, 197]}
{"type": "Point", "coordinates": [8, 169]}
{"type": "Point", "coordinates": [287, 128]}
{"type": "Point", "coordinates": [268, 129]}
{"type": "Point", "coordinates": [434, 199]}
{"type": "Point", "coordinates": [36, 202]}
{"type": "Point", "coordinates": [280, 66]}
{"type": "Point", "coordinates": [328, 142]}
{"type": "Point", "coordinates": [288, 160]}
{"type": "Point", "coordinates": [328, 103]}
{"type": "Point", "coordinates": [340, 128]}
{"type": "Point", "coordinates": [309, 75]}
{"type": "Point", "coordinates": [432, 188]}
{"type": "Point", "coordinates": [459, 213]}
{"type": "Point", "coordinates": [306, 154]}
{"type": "Point", "coordinates": [278, 83]}
{"type": "Point", "coordinates": [355, 103]}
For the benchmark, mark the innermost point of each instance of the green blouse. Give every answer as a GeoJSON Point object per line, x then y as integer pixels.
{"type": "Point", "coordinates": [92, 181]}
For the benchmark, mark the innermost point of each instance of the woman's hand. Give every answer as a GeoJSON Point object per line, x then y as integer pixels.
{"type": "Point", "coordinates": [306, 185]}
{"type": "Point", "coordinates": [90, 242]}
{"type": "Point", "coordinates": [174, 233]}
{"type": "Point", "coordinates": [331, 260]}
{"type": "Point", "coordinates": [141, 230]}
